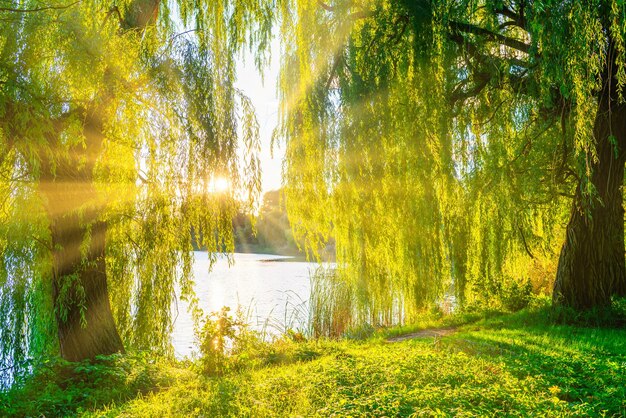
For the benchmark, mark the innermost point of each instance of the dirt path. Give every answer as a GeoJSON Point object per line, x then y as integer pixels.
{"type": "Point", "coordinates": [427, 333]}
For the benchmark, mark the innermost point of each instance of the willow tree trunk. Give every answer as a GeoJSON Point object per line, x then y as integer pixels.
{"type": "Point", "coordinates": [592, 265]}
{"type": "Point", "coordinates": [86, 327]}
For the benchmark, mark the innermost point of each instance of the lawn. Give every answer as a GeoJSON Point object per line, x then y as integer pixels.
{"type": "Point", "coordinates": [506, 365]}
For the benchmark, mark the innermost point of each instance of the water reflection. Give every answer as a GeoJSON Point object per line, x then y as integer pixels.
{"type": "Point", "coordinates": [270, 288]}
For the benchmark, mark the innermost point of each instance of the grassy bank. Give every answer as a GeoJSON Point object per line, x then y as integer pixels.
{"type": "Point", "coordinates": [517, 364]}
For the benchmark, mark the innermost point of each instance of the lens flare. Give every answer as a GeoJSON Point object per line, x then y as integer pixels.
{"type": "Point", "coordinates": [220, 185]}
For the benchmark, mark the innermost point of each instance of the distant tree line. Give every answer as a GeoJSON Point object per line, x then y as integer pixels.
{"type": "Point", "coordinates": [271, 233]}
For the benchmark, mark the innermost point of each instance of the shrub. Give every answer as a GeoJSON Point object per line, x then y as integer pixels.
{"type": "Point", "coordinates": [613, 315]}
{"type": "Point", "coordinates": [217, 339]}
{"type": "Point", "coordinates": [516, 295]}
{"type": "Point", "coordinates": [58, 388]}
{"type": "Point", "coordinates": [228, 344]}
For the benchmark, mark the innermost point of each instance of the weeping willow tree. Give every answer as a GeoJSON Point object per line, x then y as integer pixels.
{"type": "Point", "coordinates": [444, 144]}
{"type": "Point", "coordinates": [116, 120]}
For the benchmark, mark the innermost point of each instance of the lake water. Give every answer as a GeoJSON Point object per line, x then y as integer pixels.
{"type": "Point", "coordinates": [273, 292]}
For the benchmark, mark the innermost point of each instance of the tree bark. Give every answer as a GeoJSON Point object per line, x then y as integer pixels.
{"type": "Point", "coordinates": [86, 327]}
{"type": "Point", "coordinates": [592, 265]}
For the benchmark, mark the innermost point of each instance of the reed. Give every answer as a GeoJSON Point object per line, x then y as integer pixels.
{"type": "Point", "coordinates": [332, 304]}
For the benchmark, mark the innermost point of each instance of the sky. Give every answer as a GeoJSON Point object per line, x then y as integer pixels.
{"type": "Point", "coordinates": [262, 91]}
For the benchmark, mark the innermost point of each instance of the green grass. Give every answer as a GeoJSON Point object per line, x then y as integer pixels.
{"type": "Point", "coordinates": [506, 365]}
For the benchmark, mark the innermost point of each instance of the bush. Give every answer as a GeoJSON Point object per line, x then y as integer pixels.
{"type": "Point", "coordinates": [219, 338]}
{"type": "Point", "coordinates": [228, 344]}
{"type": "Point", "coordinates": [516, 295]}
{"type": "Point", "coordinates": [59, 388]}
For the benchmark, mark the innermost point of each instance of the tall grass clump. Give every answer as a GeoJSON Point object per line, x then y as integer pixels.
{"type": "Point", "coordinates": [611, 316]}
{"type": "Point", "coordinates": [332, 305]}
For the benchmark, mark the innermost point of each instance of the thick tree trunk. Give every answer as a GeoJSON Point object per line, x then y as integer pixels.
{"type": "Point", "coordinates": [86, 327]}
{"type": "Point", "coordinates": [592, 265]}
{"type": "Point", "coordinates": [85, 323]}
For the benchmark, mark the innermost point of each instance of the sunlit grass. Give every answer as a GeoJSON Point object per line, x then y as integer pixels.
{"type": "Point", "coordinates": [512, 365]}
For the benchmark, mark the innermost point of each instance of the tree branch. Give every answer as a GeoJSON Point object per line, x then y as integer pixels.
{"type": "Point", "coordinates": [42, 242]}
{"type": "Point", "coordinates": [326, 6]}
{"type": "Point", "coordinates": [504, 40]}
{"type": "Point", "coordinates": [521, 231]}
{"type": "Point", "coordinates": [484, 67]}
{"type": "Point", "coordinates": [361, 14]}
{"type": "Point", "coordinates": [38, 9]}
{"type": "Point", "coordinates": [517, 19]}
{"type": "Point", "coordinates": [459, 94]}
{"type": "Point", "coordinates": [333, 70]}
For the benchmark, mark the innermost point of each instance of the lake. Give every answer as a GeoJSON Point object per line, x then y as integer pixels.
{"type": "Point", "coordinates": [272, 291]}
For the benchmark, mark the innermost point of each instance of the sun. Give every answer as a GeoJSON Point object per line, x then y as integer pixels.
{"type": "Point", "coordinates": [220, 185]}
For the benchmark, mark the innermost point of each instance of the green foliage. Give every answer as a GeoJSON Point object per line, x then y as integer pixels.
{"type": "Point", "coordinates": [611, 316]}
{"type": "Point", "coordinates": [274, 230]}
{"type": "Point", "coordinates": [219, 338]}
{"type": "Point", "coordinates": [515, 365]}
{"type": "Point", "coordinates": [228, 345]}
{"type": "Point", "coordinates": [107, 114]}
{"type": "Point", "coordinates": [58, 388]}
{"type": "Point", "coordinates": [331, 305]}
{"type": "Point", "coordinates": [268, 232]}
{"type": "Point", "coordinates": [359, 332]}
{"type": "Point", "coordinates": [440, 142]}
{"type": "Point", "coordinates": [517, 295]}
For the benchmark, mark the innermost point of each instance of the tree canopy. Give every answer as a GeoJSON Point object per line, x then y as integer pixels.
{"type": "Point", "coordinates": [445, 143]}
{"type": "Point", "coordinates": [115, 120]}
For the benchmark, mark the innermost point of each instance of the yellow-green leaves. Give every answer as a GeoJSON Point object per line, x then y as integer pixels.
{"type": "Point", "coordinates": [433, 141]}
{"type": "Point", "coordinates": [114, 99]}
